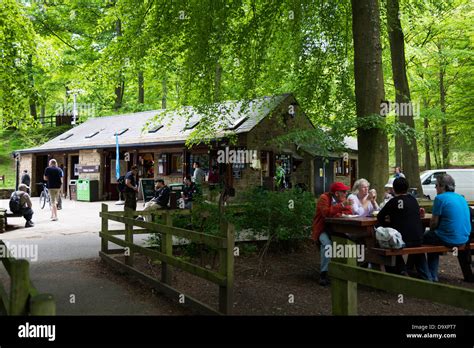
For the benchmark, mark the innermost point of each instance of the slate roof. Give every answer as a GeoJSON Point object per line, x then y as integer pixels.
{"type": "Point", "coordinates": [172, 132]}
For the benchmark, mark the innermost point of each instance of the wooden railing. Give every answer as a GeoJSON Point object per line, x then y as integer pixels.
{"type": "Point", "coordinates": [224, 278]}
{"type": "Point", "coordinates": [23, 298]}
{"type": "Point", "coordinates": [345, 275]}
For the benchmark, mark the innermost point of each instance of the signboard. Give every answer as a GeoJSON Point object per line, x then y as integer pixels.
{"type": "Point", "coordinates": [146, 189]}
{"type": "Point", "coordinates": [87, 169]}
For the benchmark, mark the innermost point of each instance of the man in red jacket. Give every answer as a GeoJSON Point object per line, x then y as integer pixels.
{"type": "Point", "coordinates": [330, 204]}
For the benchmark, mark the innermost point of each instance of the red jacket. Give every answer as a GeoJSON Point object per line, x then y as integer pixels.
{"type": "Point", "coordinates": [325, 209]}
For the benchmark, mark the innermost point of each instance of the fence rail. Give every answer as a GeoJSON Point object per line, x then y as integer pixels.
{"type": "Point", "coordinates": [224, 278]}
{"type": "Point", "coordinates": [23, 298]}
{"type": "Point", "coordinates": [346, 275]}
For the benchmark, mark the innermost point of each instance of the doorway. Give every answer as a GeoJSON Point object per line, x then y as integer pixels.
{"type": "Point", "coordinates": [324, 174]}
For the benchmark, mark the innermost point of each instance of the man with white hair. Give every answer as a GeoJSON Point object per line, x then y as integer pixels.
{"type": "Point", "coordinates": [20, 203]}
{"type": "Point", "coordinates": [54, 178]}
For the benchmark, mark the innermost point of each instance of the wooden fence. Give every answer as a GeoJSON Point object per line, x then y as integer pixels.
{"type": "Point", "coordinates": [224, 278]}
{"type": "Point", "coordinates": [345, 275]}
{"type": "Point", "coordinates": [23, 298]}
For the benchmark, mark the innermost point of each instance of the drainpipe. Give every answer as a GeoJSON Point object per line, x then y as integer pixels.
{"type": "Point", "coordinates": [16, 156]}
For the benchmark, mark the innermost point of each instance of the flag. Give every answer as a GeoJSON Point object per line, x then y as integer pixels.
{"type": "Point", "coordinates": [117, 158]}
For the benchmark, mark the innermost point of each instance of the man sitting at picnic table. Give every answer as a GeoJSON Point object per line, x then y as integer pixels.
{"type": "Point", "coordinates": [160, 200]}
{"type": "Point", "coordinates": [330, 204]}
{"type": "Point", "coordinates": [450, 226]}
{"type": "Point", "coordinates": [403, 212]}
{"type": "Point", "coordinates": [363, 200]}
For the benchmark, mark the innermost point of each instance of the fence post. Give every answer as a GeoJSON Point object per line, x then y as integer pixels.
{"type": "Point", "coordinates": [20, 287]}
{"type": "Point", "coordinates": [343, 292]}
{"type": "Point", "coordinates": [105, 229]}
{"type": "Point", "coordinates": [129, 237]}
{"type": "Point", "coordinates": [167, 249]}
{"type": "Point", "coordinates": [226, 268]}
{"type": "Point", "coordinates": [42, 304]}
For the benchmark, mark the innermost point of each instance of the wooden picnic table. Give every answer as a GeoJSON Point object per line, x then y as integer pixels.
{"type": "Point", "coordinates": [361, 230]}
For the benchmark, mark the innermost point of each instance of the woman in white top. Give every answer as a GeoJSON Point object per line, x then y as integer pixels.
{"type": "Point", "coordinates": [363, 200]}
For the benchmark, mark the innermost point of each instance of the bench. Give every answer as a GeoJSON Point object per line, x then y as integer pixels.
{"type": "Point", "coordinates": [424, 249]}
{"type": "Point", "coordinates": [4, 215]}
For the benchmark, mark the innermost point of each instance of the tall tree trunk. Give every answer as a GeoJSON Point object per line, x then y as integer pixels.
{"type": "Point", "coordinates": [436, 147]}
{"type": "Point", "coordinates": [427, 144]}
{"type": "Point", "coordinates": [141, 87]}
{"type": "Point", "coordinates": [164, 92]}
{"type": "Point", "coordinates": [33, 95]}
{"type": "Point", "coordinates": [217, 83]}
{"type": "Point", "coordinates": [369, 90]}
{"type": "Point", "coordinates": [444, 125]}
{"type": "Point", "coordinates": [398, 148]}
{"type": "Point", "coordinates": [410, 163]}
{"type": "Point", "coordinates": [119, 87]}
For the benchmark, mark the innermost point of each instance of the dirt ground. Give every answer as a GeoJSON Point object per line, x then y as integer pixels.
{"type": "Point", "coordinates": [289, 286]}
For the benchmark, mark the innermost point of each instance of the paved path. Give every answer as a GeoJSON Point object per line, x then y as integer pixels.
{"type": "Point", "coordinates": [68, 265]}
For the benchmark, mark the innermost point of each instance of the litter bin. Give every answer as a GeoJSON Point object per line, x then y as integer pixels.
{"type": "Point", "coordinates": [73, 190]}
{"type": "Point", "coordinates": [175, 194]}
{"type": "Point", "coordinates": [87, 190]}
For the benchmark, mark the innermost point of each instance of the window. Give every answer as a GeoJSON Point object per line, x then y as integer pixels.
{"type": "Point", "coordinates": [120, 132]}
{"type": "Point", "coordinates": [176, 163]}
{"type": "Point", "coordinates": [191, 125]}
{"type": "Point", "coordinates": [431, 180]}
{"type": "Point", "coordinates": [155, 128]}
{"type": "Point", "coordinates": [67, 136]}
{"type": "Point", "coordinates": [93, 134]}
{"type": "Point", "coordinates": [237, 123]}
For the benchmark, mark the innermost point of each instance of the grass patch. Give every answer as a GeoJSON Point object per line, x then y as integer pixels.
{"type": "Point", "coordinates": [12, 140]}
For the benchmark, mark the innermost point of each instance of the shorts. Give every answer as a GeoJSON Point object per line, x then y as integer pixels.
{"type": "Point", "coordinates": [54, 195]}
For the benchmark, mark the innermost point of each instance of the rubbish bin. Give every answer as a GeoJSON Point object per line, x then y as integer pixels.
{"type": "Point", "coordinates": [73, 190]}
{"type": "Point", "coordinates": [175, 194]}
{"type": "Point", "coordinates": [87, 190]}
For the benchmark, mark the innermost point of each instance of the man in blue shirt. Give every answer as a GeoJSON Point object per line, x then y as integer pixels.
{"type": "Point", "coordinates": [450, 226]}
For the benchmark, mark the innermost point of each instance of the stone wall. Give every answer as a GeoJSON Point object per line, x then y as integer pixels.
{"type": "Point", "coordinates": [260, 139]}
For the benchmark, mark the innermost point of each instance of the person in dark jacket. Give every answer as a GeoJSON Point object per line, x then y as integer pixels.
{"type": "Point", "coordinates": [160, 200]}
{"type": "Point", "coordinates": [402, 213]}
{"type": "Point", "coordinates": [131, 189]}
{"type": "Point", "coordinates": [189, 191]}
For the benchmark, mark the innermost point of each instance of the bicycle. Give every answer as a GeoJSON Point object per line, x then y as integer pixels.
{"type": "Point", "coordinates": [44, 197]}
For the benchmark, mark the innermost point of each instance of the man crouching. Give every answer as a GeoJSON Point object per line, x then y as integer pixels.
{"type": "Point", "coordinates": [20, 203]}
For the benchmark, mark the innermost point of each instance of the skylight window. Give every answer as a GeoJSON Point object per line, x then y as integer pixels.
{"type": "Point", "coordinates": [191, 125]}
{"type": "Point", "coordinates": [120, 132]}
{"type": "Point", "coordinates": [93, 134]}
{"type": "Point", "coordinates": [237, 123]}
{"type": "Point", "coordinates": [155, 128]}
{"type": "Point", "coordinates": [67, 136]}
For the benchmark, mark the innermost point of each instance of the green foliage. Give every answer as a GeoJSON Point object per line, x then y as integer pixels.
{"type": "Point", "coordinates": [278, 216]}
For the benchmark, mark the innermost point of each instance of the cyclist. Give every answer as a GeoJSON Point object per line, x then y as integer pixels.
{"type": "Point", "coordinates": [54, 178]}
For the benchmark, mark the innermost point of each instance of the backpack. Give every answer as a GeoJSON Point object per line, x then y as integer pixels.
{"type": "Point", "coordinates": [15, 203]}
{"type": "Point", "coordinates": [121, 184]}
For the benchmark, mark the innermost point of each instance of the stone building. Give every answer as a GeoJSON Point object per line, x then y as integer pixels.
{"type": "Point", "coordinates": [245, 130]}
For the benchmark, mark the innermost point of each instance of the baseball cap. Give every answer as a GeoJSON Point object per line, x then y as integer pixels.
{"type": "Point", "coordinates": [339, 186]}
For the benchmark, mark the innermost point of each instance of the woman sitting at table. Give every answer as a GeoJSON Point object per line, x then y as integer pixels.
{"type": "Point", "coordinates": [363, 200]}
{"type": "Point", "coordinates": [403, 214]}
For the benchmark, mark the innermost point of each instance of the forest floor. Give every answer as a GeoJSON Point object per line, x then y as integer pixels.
{"type": "Point", "coordinates": [288, 285]}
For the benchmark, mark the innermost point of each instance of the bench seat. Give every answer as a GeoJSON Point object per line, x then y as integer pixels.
{"type": "Point", "coordinates": [418, 250]}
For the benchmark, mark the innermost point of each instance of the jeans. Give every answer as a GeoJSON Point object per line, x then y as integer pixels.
{"type": "Point", "coordinates": [324, 240]}
{"type": "Point", "coordinates": [27, 213]}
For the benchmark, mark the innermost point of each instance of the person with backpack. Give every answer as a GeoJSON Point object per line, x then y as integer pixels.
{"type": "Point", "coordinates": [20, 203]}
